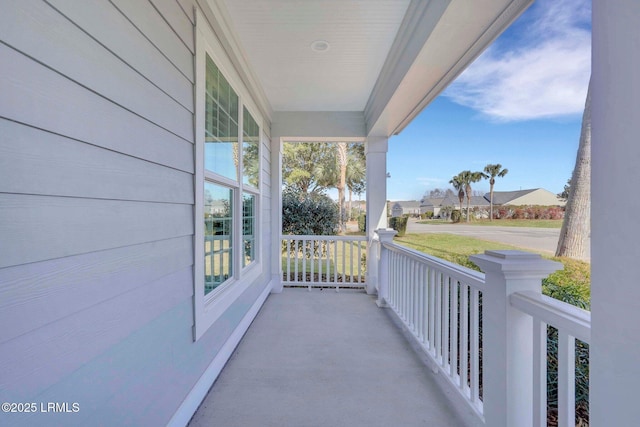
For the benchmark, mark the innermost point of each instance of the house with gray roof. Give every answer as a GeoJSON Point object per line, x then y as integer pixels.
{"type": "Point", "coordinates": [531, 197]}
{"type": "Point", "coordinates": [409, 207]}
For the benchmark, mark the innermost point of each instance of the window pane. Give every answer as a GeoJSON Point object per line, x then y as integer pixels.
{"type": "Point", "coordinates": [218, 248]}
{"type": "Point", "coordinates": [248, 228]}
{"type": "Point", "coordinates": [221, 124]}
{"type": "Point", "coordinates": [250, 150]}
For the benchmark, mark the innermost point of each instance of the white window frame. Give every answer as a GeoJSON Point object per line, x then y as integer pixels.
{"type": "Point", "coordinates": [208, 308]}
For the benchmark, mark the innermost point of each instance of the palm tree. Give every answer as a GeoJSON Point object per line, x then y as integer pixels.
{"type": "Point", "coordinates": [341, 148]}
{"type": "Point", "coordinates": [467, 178]}
{"type": "Point", "coordinates": [490, 173]}
{"type": "Point", "coordinates": [458, 184]}
{"type": "Point", "coordinates": [356, 172]}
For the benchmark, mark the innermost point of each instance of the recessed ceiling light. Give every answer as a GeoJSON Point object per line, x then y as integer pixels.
{"type": "Point", "coordinates": [320, 45]}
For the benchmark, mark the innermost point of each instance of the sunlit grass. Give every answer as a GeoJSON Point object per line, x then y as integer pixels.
{"type": "Point", "coordinates": [575, 278]}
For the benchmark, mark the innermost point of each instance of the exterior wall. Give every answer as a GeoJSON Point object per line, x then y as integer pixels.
{"type": "Point", "coordinates": [539, 197]}
{"type": "Point", "coordinates": [97, 212]}
{"type": "Point", "coordinates": [615, 294]}
{"type": "Point", "coordinates": [267, 203]}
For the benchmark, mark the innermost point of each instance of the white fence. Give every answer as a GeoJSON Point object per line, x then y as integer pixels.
{"type": "Point", "coordinates": [324, 261]}
{"type": "Point", "coordinates": [441, 305]}
{"type": "Point", "coordinates": [571, 323]}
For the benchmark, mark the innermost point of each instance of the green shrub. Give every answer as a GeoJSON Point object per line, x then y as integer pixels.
{"type": "Point", "coordinates": [456, 216]}
{"type": "Point", "coordinates": [308, 213]}
{"type": "Point", "coordinates": [571, 284]}
{"type": "Point", "coordinates": [362, 223]}
{"type": "Point", "coordinates": [399, 224]}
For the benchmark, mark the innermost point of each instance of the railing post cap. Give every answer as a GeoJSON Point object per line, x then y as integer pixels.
{"type": "Point", "coordinates": [515, 261]}
{"type": "Point", "coordinates": [386, 234]}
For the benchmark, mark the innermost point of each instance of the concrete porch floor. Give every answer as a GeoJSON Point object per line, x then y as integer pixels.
{"type": "Point", "coordinates": [323, 358]}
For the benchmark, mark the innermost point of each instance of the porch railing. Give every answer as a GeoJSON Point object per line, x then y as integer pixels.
{"type": "Point", "coordinates": [571, 323]}
{"type": "Point", "coordinates": [324, 261]}
{"type": "Point", "coordinates": [441, 305]}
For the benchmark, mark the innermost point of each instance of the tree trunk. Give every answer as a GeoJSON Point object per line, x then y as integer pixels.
{"type": "Point", "coordinates": [577, 217]}
{"type": "Point", "coordinates": [491, 202]}
{"type": "Point", "coordinates": [349, 208]}
{"type": "Point", "coordinates": [342, 162]}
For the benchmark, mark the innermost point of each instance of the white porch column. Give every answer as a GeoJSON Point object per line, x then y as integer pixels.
{"type": "Point", "coordinates": [615, 288]}
{"type": "Point", "coordinates": [276, 214]}
{"type": "Point", "coordinates": [376, 152]}
{"type": "Point", "coordinates": [508, 335]}
{"type": "Point", "coordinates": [385, 236]}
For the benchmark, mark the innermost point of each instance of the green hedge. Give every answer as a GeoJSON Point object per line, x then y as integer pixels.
{"type": "Point", "coordinates": [399, 224]}
{"type": "Point", "coordinates": [362, 223]}
{"type": "Point", "coordinates": [311, 214]}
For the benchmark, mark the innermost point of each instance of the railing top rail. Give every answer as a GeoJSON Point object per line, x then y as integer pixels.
{"type": "Point", "coordinates": [309, 237]}
{"type": "Point", "coordinates": [559, 314]}
{"type": "Point", "coordinates": [464, 274]}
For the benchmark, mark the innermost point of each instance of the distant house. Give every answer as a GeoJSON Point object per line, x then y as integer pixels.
{"type": "Point", "coordinates": [532, 197]}
{"type": "Point", "coordinates": [411, 207]}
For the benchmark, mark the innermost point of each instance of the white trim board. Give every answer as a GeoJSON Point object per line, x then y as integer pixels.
{"type": "Point", "coordinates": [199, 391]}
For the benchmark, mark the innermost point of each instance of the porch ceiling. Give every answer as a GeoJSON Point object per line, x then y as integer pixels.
{"type": "Point", "coordinates": [277, 35]}
{"type": "Point", "coordinates": [386, 58]}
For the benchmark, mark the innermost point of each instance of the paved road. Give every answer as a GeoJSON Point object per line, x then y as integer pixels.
{"type": "Point", "coordinates": [539, 239]}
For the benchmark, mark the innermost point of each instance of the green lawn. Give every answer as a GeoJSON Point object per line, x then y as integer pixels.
{"type": "Point", "coordinates": [535, 223]}
{"type": "Point", "coordinates": [573, 284]}
{"type": "Point", "coordinates": [346, 263]}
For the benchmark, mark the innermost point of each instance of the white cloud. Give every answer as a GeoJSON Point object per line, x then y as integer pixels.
{"type": "Point", "coordinates": [543, 74]}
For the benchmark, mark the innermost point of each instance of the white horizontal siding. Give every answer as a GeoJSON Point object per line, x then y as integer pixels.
{"type": "Point", "coordinates": [107, 25]}
{"type": "Point", "coordinates": [176, 17]}
{"type": "Point", "coordinates": [96, 210]}
{"type": "Point", "coordinates": [150, 23]}
{"type": "Point", "coordinates": [187, 6]}
{"type": "Point", "coordinates": [47, 288]}
{"type": "Point", "coordinates": [143, 379]}
{"type": "Point", "coordinates": [39, 228]}
{"type": "Point", "coordinates": [41, 98]}
{"type": "Point", "coordinates": [85, 61]}
{"type": "Point", "coordinates": [38, 162]}
{"type": "Point", "coordinates": [32, 362]}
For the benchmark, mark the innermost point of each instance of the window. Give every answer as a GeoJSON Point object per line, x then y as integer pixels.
{"type": "Point", "coordinates": [221, 124]}
{"type": "Point", "coordinates": [227, 184]}
{"type": "Point", "coordinates": [248, 228]}
{"type": "Point", "coordinates": [218, 235]}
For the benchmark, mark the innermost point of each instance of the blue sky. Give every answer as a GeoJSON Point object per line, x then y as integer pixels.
{"type": "Point", "coordinates": [519, 104]}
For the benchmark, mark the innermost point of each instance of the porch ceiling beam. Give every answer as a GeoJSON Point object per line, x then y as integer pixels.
{"type": "Point", "coordinates": [419, 21]}
{"type": "Point", "coordinates": [319, 125]}
{"type": "Point", "coordinates": [436, 42]}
